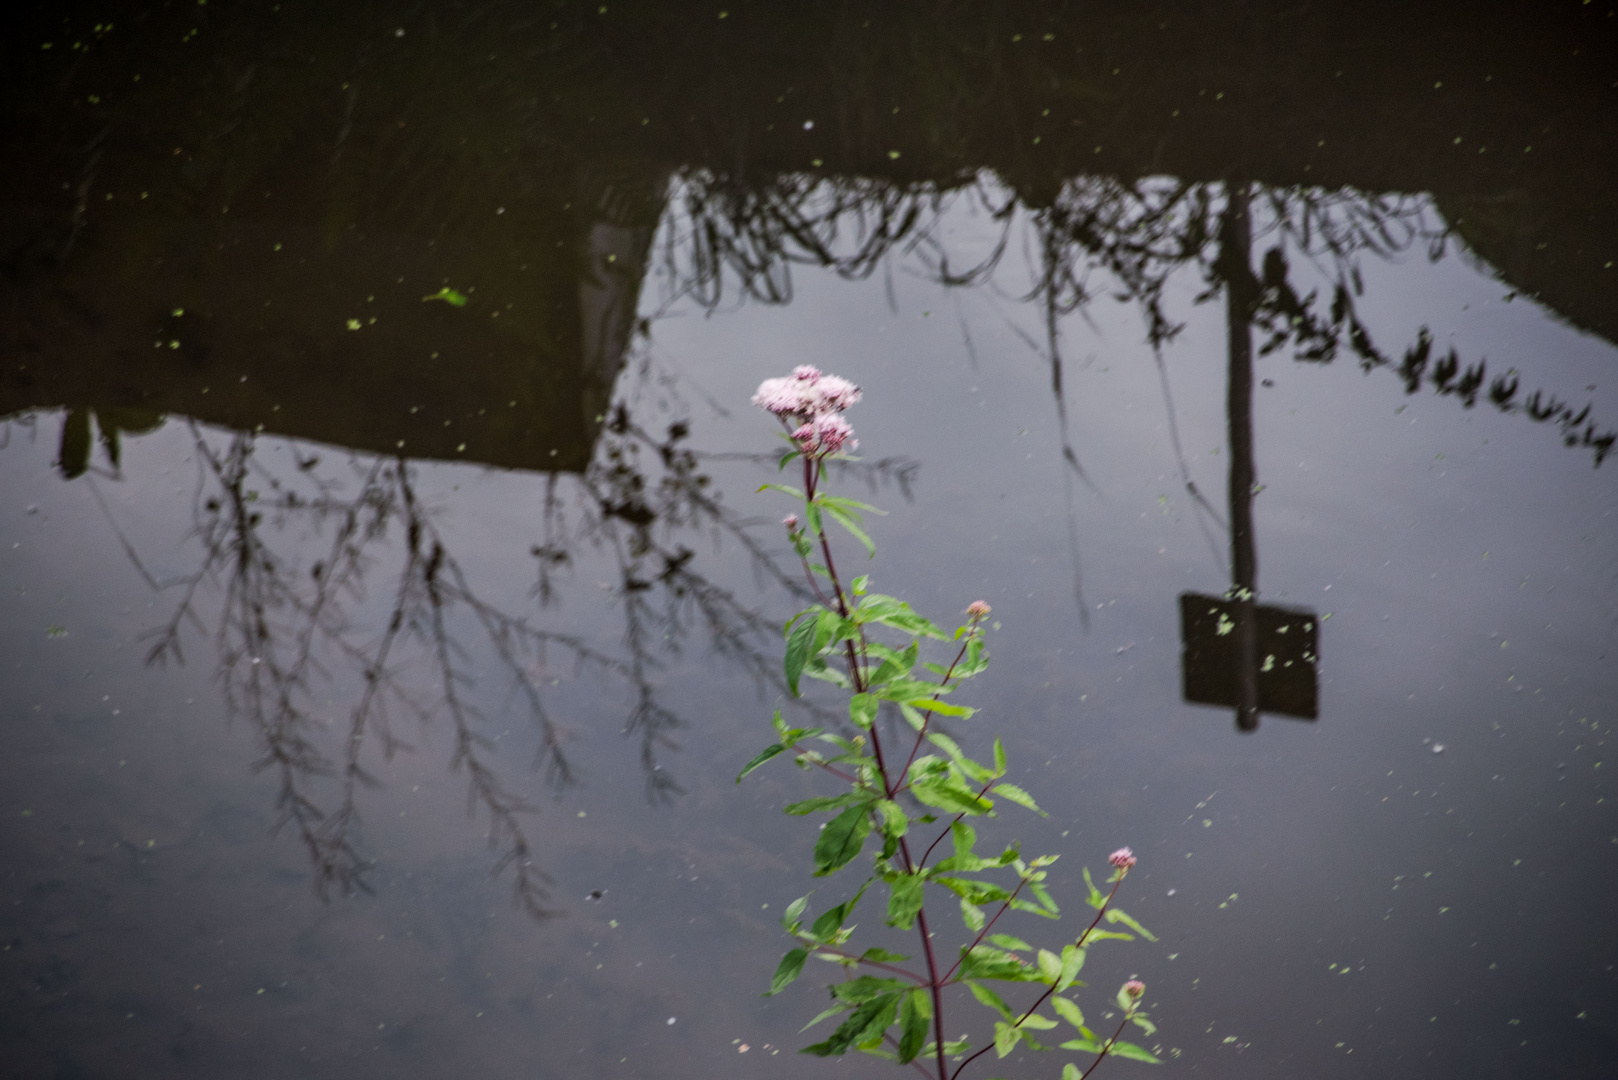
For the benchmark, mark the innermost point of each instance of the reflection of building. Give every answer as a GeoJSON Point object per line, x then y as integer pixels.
{"type": "Point", "coordinates": [268, 322]}
{"type": "Point", "coordinates": [293, 176]}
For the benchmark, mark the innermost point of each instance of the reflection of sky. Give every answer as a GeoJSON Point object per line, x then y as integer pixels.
{"type": "Point", "coordinates": [1465, 559]}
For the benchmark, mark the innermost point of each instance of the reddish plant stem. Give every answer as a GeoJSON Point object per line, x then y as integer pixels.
{"type": "Point", "coordinates": [1102, 1056]}
{"type": "Point", "coordinates": [1052, 989]}
{"type": "Point", "coordinates": [927, 720]}
{"type": "Point", "coordinates": [1005, 907]}
{"type": "Point", "coordinates": [815, 947]}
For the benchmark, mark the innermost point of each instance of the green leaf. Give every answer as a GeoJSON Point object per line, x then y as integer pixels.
{"type": "Point", "coordinates": [1106, 935]}
{"type": "Point", "coordinates": [879, 1012]}
{"type": "Point", "coordinates": [895, 823]}
{"type": "Point", "coordinates": [971, 915]}
{"type": "Point", "coordinates": [944, 708]}
{"type": "Point", "coordinates": [800, 642]}
{"type": "Point", "coordinates": [1097, 899]}
{"type": "Point", "coordinates": [978, 892]}
{"type": "Point", "coordinates": [1013, 793]}
{"type": "Point", "coordinates": [1037, 1022]}
{"type": "Point", "coordinates": [1006, 941]}
{"type": "Point", "coordinates": [990, 998]}
{"type": "Point", "coordinates": [851, 522]}
{"type": "Point", "coordinates": [1143, 1023]}
{"type": "Point", "coordinates": [1043, 895]}
{"type": "Point", "coordinates": [1069, 1011]}
{"type": "Point", "coordinates": [862, 710]}
{"type": "Point", "coordinates": [1050, 966]}
{"type": "Point", "coordinates": [785, 489]}
{"type": "Point", "coordinates": [906, 900]}
{"type": "Point", "coordinates": [830, 802]}
{"type": "Point", "coordinates": [1072, 962]}
{"type": "Point", "coordinates": [915, 1012]}
{"type": "Point", "coordinates": [833, 1011]}
{"type": "Point", "coordinates": [1134, 1053]}
{"type": "Point", "coordinates": [1070, 1071]}
{"type": "Point", "coordinates": [860, 584]}
{"type": "Point", "coordinates": [766, 754]}
{"type": "Point", "coordinates": [794, 911]}
{"type": "Point", "coordinates": [865, 988]}
{"type": "Point", "coordinates": [851, 505]}
{"type": "Point", "coordinates": [841, 840]}
{"type": "Point", "coordinates": [999, 758]}
{"type": "Point", "coordinates": [1006, 1038]}
{"type": "Point", "coordinates": [882, 955]}
{"type": "Point", "coordinates": [983, 962]}
{"type": "Point", "coordinates": [951, 795]}
{"type": "Point", "coordinates": [1115, 915]}
{"type": "Point", "coordinates": [1083, 1046]}
{"type": "Point", "coordinates": [831, 920]}
{"type": "Point", "coordinates": [973, 661]}
{"type": "Point", "coordinates": [791, 967]}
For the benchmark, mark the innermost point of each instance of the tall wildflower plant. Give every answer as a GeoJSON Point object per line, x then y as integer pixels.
{"type": "Point", "coordinates": [910, 794]}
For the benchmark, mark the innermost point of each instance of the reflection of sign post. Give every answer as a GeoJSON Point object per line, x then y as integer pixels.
{"type": "Point", "coordinates": [1234, 651]}
{"type": "Point", "coordinates": [1284, 658]}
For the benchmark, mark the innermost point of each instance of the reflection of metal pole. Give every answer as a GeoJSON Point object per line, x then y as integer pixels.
{"type": "Point", "coordinates": [1235, 238]}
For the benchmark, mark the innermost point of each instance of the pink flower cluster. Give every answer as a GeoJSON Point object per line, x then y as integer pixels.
{"type": "Point", "coordinates": [1134, 988]}
{"type": "Point", "coordinates": [1123, 858]}
{"type": "Point", "coordinates": [811, 400]}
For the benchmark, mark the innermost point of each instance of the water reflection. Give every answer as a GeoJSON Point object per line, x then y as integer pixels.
{"type": "Point", "coordinates": [254, 239]}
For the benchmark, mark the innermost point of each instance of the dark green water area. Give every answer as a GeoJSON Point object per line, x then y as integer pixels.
{"type": "Point", "coordinates": [388, 606]}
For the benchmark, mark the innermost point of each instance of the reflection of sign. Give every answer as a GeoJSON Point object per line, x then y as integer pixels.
{"type": "Point", "coordinates": [1284, 656]}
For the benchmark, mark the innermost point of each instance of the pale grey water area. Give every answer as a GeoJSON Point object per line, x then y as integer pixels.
{"type": "Point", "coordinates": [531, 560]}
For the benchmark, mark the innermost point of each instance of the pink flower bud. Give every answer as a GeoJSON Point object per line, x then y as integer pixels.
{"type": "Point", "coordinates": [1123, 858]}
{"type": "Point", "coordinates": [1134, 988]}
{"type": "Point", "coordinates": [977, 609]}
{"type": "Point", "coordinates": [790, 521]}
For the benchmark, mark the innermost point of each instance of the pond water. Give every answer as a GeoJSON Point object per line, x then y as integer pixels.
{"type": "Point", "coordinates": [390, 605]}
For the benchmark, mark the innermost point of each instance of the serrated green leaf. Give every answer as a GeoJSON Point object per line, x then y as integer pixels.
{"type": "Point", "coordinates": [1037, 1022]}
{"type": "Point", "coordinates": [1072, 963]}
{"type": "Point", "coordinates": [1117, 916]}
{"type": "Point", "coordinates": [830, 802]}
{"type": "Point", "coordinates": [1006, 941]}
{"type": "Point", "coordinates": [1134, 1053]}
{"type": "Point", "coordinates": [915, 1012]}
{"type": "Point", "coordinates": [1140, 1020]}
{"type": "Point", "coordinates": [1013, 793]}
{"type": "Point", "coordinates": [971, 916]}
{"type": "Point", "coordinates": [905, 901]}
{"type": "Point", "coordinates": [862, 710]}
{"type": "Point", "coordinates": [882, 955]}
{"type": "Point", "coordinates": [865, 988]}
{"type": "Point", "coordinates": [1097, 899]}
{"type": "Point", "coordinates": [851, 522]}
{"type": "Point", "coordinates": [766, 754]}
{"type": "Point", "coordinates": [841, 840]}
{"type": "Point", "coordinates": [785, 489]}
{"type": "Point", "coordinates": [1006, 1038]}
{"type": "Point", "coordinates": [1083, 1046]}
{"type": "Point", "coordinates": [790, 968]}
{"type": "Point", "coordinates": [824, 1014]}
{"type": "Point", "coordinates": [999, 758]}
{"type": "Point", "coordinates": [1070, 1071]}
{"type": "Point", "coordinates": [895, 823]}
{"type": "Point", "coordinates": [951, 795]}
{"type": "Point", "coordinates": [793, 913]}
{"type": "Point", "coordinates": [800, 643]}
{"type": "Point", "coordinates": [983, 962]}
{"type": "Point", "coordinates": [1043, 895]}
{"type": "Point", "coordinates": [990, 998]}
{"type": "Point", "coordinates": [1069, 1011]}
{"type": "Point", "coordinates": [1050, 966]}
{"type": "Point", "coordinates": [860, 584]}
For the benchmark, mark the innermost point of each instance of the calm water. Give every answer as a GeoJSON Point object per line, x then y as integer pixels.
{"type": "Point", "coordinates": [389, 606]}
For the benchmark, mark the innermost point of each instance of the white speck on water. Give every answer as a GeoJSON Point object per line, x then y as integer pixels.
{"type": "Point", "coordinates": [1171, 892]}
{"type": "Point", "coordinates": [1438, 748]}
{"type": "Point", "coordinates": [671, 1021]}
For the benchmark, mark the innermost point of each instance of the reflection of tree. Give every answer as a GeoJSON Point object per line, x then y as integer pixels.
{"type": "Point", "coordinates": [1098, 235]}
{"type": "Point", "coordinates": [286, 630]}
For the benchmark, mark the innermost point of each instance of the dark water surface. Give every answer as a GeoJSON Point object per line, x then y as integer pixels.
{"type": "Point", "coordinates": [388, 607]}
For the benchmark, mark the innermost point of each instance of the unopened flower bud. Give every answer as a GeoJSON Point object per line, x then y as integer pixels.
{"type": "Point", "coordinates": [1123, 858]}
{"type": "Point", "coordinates": [1134, 988]}
{"type": "Point", "coordinates": [977, 609]}
{"type": "Point", "coordinates": [791, 522]}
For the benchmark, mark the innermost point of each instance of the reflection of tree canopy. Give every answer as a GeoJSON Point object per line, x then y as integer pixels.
{"type": "Point", "coordinates": [1099, 235]}
{"type": "Point", "coordinates": [289, 627]}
